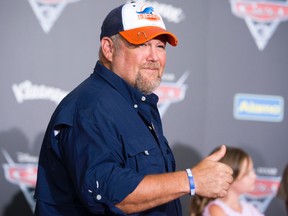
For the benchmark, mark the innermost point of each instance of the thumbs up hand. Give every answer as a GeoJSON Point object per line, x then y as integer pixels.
{"type": "Point", "coordinates": [218, 155]}
{"type": "Point", "coordinates": [211, 177]}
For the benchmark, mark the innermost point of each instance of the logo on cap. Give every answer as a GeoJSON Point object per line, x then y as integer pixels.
{"type": "Point", "coordinates": [148, 13]}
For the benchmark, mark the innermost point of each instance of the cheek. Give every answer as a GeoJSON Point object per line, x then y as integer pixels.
{"type": "Point", "coordinates": [250, 183]}
{"type": "Point", "coordinates": [163, 60]}
{"type": "Point", "coordinates": [244, 185]}
{"type": "Point", "coordinates": [162, 64]}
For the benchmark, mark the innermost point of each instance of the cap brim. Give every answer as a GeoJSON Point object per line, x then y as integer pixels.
{"type": "Point", "coordinates": [144, 34]}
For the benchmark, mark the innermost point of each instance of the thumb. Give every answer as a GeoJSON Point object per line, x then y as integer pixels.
{"type": "Point", "coordinates": [216, 156]}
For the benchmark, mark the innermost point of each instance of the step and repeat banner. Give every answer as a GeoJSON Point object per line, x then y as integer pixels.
{"type": "Point", "coordinates": [225, 83]}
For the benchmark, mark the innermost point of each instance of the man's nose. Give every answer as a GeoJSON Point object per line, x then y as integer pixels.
{"type": "Point", "coordinates": [153, 54]}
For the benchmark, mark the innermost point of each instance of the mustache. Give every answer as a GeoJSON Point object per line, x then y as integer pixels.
{"type": "Point", "coordinates": [151, 65]}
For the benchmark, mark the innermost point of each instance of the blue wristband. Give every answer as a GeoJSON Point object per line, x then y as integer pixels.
{"type": "Point", "coordinates": [191, 182]}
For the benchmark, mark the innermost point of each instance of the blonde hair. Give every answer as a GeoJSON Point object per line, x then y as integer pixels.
{"type": "Point", "coordinates": [234, 158]}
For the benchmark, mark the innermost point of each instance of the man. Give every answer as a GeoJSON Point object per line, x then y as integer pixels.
{"type": "Point", "coordinates": [104, 152]}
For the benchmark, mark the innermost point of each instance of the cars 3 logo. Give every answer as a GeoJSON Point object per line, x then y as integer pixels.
{"type": "Point", "coordinates": [22, 174]}
{"type": "Point", "coordinates": [265, 190]}
{"type": "Point", "coordinates": [48, 11]}
{"type": "Point", "coordinates": [171, 92]}
{"type": "Point", "coordinates": [261, 17]}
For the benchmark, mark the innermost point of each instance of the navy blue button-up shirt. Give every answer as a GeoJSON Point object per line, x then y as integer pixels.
{"type": "Point", "coordinates": [102, 139]}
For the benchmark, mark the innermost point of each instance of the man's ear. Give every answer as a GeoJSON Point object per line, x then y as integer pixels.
{"type": "Point", "coordinates": [107, 48]}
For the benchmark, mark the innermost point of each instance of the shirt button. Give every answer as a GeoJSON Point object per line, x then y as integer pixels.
{"type": "Point", "coordinates": [150, 128]}
{"type": "Point", "coordinates": [98, 197]}
{"type": "Point", "coordinates": [135, 106]}
{"type": "Point", "coordinates": [146, 152]}
{"type": "Point", "coordinates": [143, 98]}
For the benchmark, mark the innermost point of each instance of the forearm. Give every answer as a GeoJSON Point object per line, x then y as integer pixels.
{"type": "Point", "coordinates": [211, 178]}
{"type": "Point", "coordinates": [155, 190]}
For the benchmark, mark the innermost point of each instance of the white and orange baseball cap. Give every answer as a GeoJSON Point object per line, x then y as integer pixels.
{"type": "Point", "coordinates": [137, 22]}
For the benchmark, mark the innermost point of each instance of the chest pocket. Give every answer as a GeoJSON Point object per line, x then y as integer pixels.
{"type": "Point", "coordinates": [144, 156]}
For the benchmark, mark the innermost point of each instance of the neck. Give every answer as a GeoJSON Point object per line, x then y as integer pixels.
{"type": "Point", "coordinates": [232, 200]}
